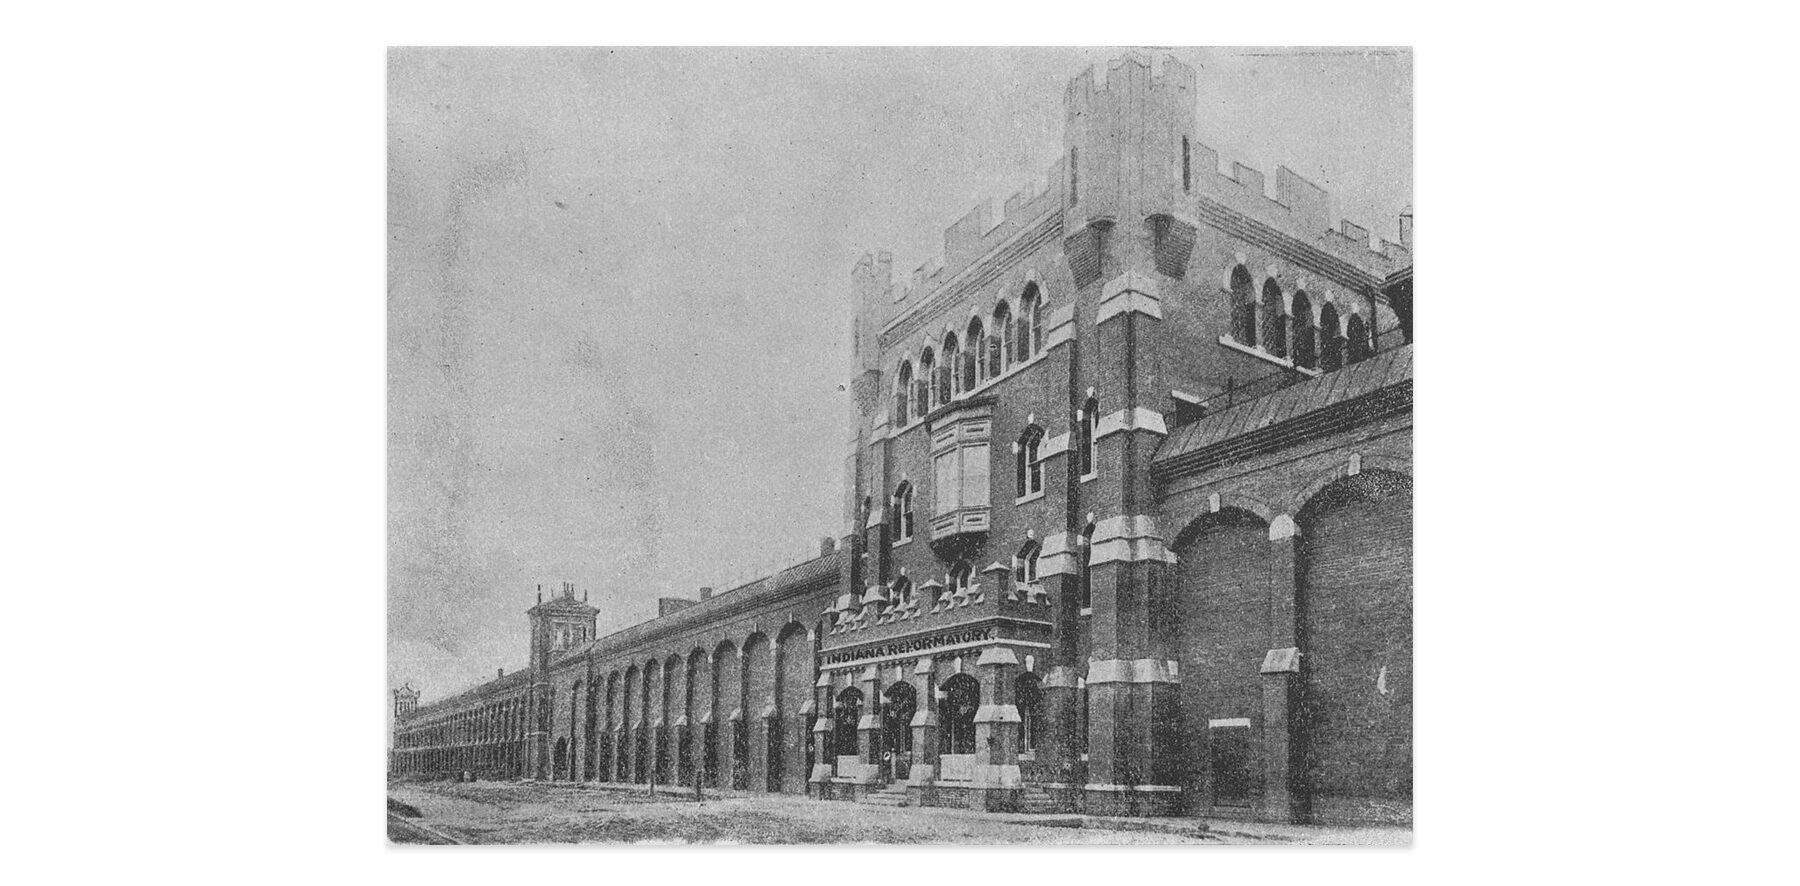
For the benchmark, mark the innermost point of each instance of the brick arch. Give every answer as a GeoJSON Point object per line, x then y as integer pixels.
{"type": "Point", "coordinates": [1353, 721]}
{"type": "Point", "coordinates": [758, 663]}
{"type": "Point", "coordinates": [793, 689]}
{"type": "Point", "coordinates": [1229, 513]}
{"type": "Point", "coordinates": [1319, 481]}
{"type": "Point", "coordinates": [1222, 606]}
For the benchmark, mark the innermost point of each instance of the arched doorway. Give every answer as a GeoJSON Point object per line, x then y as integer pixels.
{"type": "Point", "coordinates": [956, 714]}
{"type": "Point", "coordinates": [896, 731]}
{"type": "Point", "coordinates": [560, 758]}
{"type": "Point", "coordinates": [846, 714]}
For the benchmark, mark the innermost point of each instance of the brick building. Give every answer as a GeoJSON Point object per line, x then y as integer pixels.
{"type": "Point", "coordinates": [1128, 525]}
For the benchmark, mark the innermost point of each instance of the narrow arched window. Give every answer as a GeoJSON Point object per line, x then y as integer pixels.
{"type": "Point", "coordinates": [1274, 319]}
{"type": "Point", "coordinates": [1090, 416]}
{"type": "Point", "coordinates": [1029, 472]}
{"type": "Point", "coordinates": [1358, 341]}
{"type": "Point", "coordinates": [903, 383]}
{"type": "Point", "coordinates": [1029, 693]}
{"type": "Point", "coordinates": [1086, 556]}
{"type": "Point", "coordinates": [962, 575]}
{"type": "Point", "coordinates": [975, 361]}
{"type": "Point", "coordinates": [949, 374]}
{"type": "Point", "coordinates": [1027, 341]}
{"type": "Point", "coordinates": [927, 385]}
{"type": "Point", "coordinates": [1331, 339]}
{"type": "Point", "coordinates": [902, 528]}
{"type": "Point", "coordinates": [1074, 176]}
{"type": "Point", "coordinates": [1243, 307]}
{"type": "Point", "coordinates": [1187, 174]}
{"type": "Point", "coordinates": [1025, 564]}
{"type": "Point", "coordinates": [1000, 352]}
{"type": "Point", "coordinates": [1305, 347]}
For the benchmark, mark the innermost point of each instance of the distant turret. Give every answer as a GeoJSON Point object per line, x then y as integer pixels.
{"type": "Point", "coordinates": [406, 700]}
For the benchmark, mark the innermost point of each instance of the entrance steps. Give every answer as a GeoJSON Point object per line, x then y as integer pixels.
{"type": "Point", "coordinates": [1037, 801]}
{"type": "Point", "coordinates": [893, 796]}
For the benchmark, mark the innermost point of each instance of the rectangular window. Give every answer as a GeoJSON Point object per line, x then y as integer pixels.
{"type": "Point", "coordinates": [975, 474]}
{"type": "Point", "coordinates": [948, 489]}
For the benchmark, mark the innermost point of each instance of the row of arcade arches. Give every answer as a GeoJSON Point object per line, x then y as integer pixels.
{"type": "Point", "coordinates": [1314, 336]}
{"type": "Point", "coordinates": [986, 350]}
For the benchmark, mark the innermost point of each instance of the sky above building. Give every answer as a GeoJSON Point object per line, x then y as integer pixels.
{"type": "Point", "coordinates": [619, 306]}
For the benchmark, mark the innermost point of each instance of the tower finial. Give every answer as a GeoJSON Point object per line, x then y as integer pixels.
{"type": "Point", "coordinates": [540, 593]}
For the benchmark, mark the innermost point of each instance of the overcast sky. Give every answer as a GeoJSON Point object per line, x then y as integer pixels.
{"type": "Point", "coordinates": [619, 292]}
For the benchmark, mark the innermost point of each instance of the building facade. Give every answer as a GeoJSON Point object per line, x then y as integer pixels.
{"type": "Point", "coordinates": [1128, 525]}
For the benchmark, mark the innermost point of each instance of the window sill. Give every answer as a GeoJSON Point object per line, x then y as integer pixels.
{"type": "Point", "coordinates": [1088, 478]}
{"type": "Point", "coordinates": [1029, 497]}
{"type": "Point", "coordinates": [1265, 356]}
{"type": "Point", "coordinates": [1087, 610]}
{"type": "Point", "coordinates": [902, 542]}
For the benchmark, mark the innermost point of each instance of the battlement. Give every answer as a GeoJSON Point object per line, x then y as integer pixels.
{"type": "Point", "coordinates": [1295, 207]}
{"type": "Point", "coordinates": [1142, 106]}
{"type": "Point", "coordinates": [1125, 74]}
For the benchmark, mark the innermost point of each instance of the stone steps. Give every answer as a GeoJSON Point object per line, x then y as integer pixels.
{"type": "Point", "coordinates": [892, 796]}
{"type": "Point", "coordinates": [1037, 801]}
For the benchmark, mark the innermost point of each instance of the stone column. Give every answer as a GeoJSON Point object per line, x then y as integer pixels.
{"type": "Point", "coordinates": [1059, 569]}
{"type": "Point", "coordinates": [868, 729]}
{"type": "Point", "coordinates": [925, 723]}
{"type": "Point", "coordinates": [1133, 685]}
{"type": "Point", "coordinates": [824, 764]}
{"type": "Point", "coordinates": [1280, 674]}
{"type": "Point", "coordinates": [997, 722]}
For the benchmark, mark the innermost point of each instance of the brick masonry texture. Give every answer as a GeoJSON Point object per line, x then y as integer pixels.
{"type": "Point", "coordinates": [1237, 641]}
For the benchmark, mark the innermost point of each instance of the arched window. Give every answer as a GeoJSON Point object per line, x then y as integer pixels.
{"type": "Point", "coordinates": [948, 374]}
{"type": "Point", "coordinates": [1029, 472]}
{"type": "Point", "coordinates": [846, 716]}
{"type": "Point", "coordinates": [1360, 346]}
{"type": "Point", "coordinates": [1000, 352]}
{"type": "Point", "coordinates": [956, 712]}
{"type": "Point", "coordinates": [1243, 307]}
{"type": "Point", "coordinates": [903, 591]}
{"type": "Point", "coordinates": [1025, 565]}
{"type": "Point", "coordinates": [1274, 319]}
{"type": "Point", "coordinates": [1028, 691]}
{"type": "Point", "coordinates": [975, 361]}
{"type": "Point", "coordinates": [903, 512]}
{"type": "Point", "coordinates": [1305, 346]}
{"type": "Point", "coordinates": [1086, 557]}
{"type": "Point", "coordinates": [1030, 338]}
{"type": "Point", "coordinates": [896, 729]}
{"type": "Point", "coordinates": [903, 382]}
{"type": "Point", "coordinates": [927, 385]}
{"type": "Point", "coordinates": [1090, 416]}
{"type": "Point", "coordinates": [961, 575]}
{"type": "Point", "coordinates": [1331, 339]}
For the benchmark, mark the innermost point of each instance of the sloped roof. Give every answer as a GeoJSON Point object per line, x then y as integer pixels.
{"type": "Point", "coordinates": [1195, 440]}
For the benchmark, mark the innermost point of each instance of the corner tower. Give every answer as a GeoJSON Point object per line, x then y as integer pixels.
{"type": "Point", "coordinates": [558, 626]}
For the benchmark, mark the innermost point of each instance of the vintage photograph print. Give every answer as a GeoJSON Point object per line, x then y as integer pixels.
{"type": "Point", "coordinates": [900, 445]}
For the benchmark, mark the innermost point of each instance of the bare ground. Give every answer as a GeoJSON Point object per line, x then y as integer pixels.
{"type": "Point", "coordinates": [508, 812]}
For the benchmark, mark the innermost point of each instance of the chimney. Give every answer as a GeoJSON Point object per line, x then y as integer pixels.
{"type": "Point", "coordinates": [827, 544]}
{"type": "Point", "coordinates": [706, 593]}
{"type": "Point", "coordinates": [501, 672]}
{"type": "Point", "coordinates": [1406, 227]}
